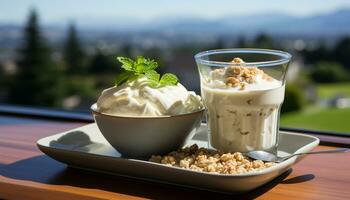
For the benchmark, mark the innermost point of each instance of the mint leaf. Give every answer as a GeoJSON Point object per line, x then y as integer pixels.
{"type": "Point", "coordinates": [153, 84]}
{"type": "Point", "coordinates": [153, 75]}
{"type": "Point", "coordinates": [140, 68]}
{"type": "Point", "coordinates": [151, 64]}
{"type": "Point", "coordinates": [153, 78]}
{"type": "Point", "coordinates": [133, 77]}
{"type": "Point", "coordinates": [140, 59]}
{"type": "Point", "coordinates": [123, 77]}
{"type": "Point", "coordinates": [143, 67]}
{"type": "Point", "coordinates": [168, 79]}
{"type": "Point", "coordinates": [128, 64]}
{"type": "Point", "coordinates": [144, 64]}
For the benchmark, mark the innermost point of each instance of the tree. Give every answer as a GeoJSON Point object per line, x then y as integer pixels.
{"type": "Point", "coordinates": [38, 81]}
{"type": "Point", "coordinates": [264, 41]}
{"type": "Point", "coordinates": [126, 50]}
{"type": "Point", "coordinates": [102, 63]}
{"type": "Point", "coordinates": [73, 53]}
{"type": "Point", "coordinates": [241, 42]}
{"type": "Point", "coordinates": [294, 99]}
{"type": "Point", "coordinates": [328, 72]}
{"type": "Point", "coordinates": [220, 43]}
{"type": "Point", "coordinates": [342, 52]}
{"type": "Point", "coordinates": [317, 54]}
{"type": "Point", "coordinates": [2, 77]}
{"type": "Point", "coordinates": [2, 72]}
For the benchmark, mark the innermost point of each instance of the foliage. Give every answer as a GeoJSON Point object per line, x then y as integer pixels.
{"type": "Point", "coordinates": [242, 43]}
{"type": "Point", "coordinates": [294, 99]}
{"type": "Point", "coordinates": [81, 85]}
{"type": "Point", "coordinates": [73, 53]}
{"type": "Point", "coordinates": [342, 52]}
{"type": "Point", "coordinates": [315, 55]}
{"type": "Point", "coordinates": [2, 73]}
{"type": "Point", "coordinates": [264, 41]}
{"type": "Point", "coordinates": [328, 72]}
{"type": "Point", "coordinates": [38, 81]}
{"type": "Point", "coordinates": [101, 64]}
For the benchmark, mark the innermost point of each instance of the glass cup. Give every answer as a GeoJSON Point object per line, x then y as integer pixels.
{"type": "Point", "coordinates": [243, 100]}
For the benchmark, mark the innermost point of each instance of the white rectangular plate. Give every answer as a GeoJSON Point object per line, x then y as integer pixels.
{"type": "Point", "coordinates": [86, 148]}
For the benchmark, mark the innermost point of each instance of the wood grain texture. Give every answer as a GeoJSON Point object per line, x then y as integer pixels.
{"type": "Point", "coordinates": [25, 173]}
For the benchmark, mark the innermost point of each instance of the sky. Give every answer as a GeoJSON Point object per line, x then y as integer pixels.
{"type": "Point", "coordinates": [51, 11]}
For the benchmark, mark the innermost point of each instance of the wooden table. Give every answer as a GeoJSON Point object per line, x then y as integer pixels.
{"type": "Point", "coordinates": [26, 173]}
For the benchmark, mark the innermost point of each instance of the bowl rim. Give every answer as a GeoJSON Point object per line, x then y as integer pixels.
{"type": "Point", "coordinates": [94, 111]}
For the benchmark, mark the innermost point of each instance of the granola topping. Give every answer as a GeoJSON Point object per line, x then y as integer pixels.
{"type": "Point", "coordinates": [212, 161]}
{"type": "Point", "coordinates": [239, 76]}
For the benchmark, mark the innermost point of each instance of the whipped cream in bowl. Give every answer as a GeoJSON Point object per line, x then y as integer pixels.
{"type": "Point", "coordinates": [140, 118]}
{"type": "Point", "coordinates": [138, 99]}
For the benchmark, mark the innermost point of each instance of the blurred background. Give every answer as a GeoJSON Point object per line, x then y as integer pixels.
{"type": "Point", "coordinates": [62, 54]}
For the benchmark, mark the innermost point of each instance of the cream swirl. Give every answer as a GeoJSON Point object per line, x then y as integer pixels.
{"type": "Point", "coordinates": [137, 98]}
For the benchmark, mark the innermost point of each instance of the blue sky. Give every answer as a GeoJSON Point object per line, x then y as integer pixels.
{"type": "Point", "coordinates": [59, 10]}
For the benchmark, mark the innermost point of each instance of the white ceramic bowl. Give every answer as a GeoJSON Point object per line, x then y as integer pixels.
{"type": "Point", "coordinates": [141, 137]}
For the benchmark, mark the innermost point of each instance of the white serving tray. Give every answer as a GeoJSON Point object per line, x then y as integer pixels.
{"type": "Point", "coordinates": [86, 148]}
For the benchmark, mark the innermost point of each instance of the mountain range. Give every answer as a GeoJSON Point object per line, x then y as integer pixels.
{"type": "Point", "coordinates": [326, 24]}
{"type": "Point", "coordinates": [329, 24]}
{"type": "Point", "coordinates": [333, 24]}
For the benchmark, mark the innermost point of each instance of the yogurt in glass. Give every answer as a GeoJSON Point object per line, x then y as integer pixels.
{"type": "Point", "coordinates": [243, 104]}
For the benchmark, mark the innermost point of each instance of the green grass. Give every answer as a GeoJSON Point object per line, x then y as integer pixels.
{"type": "Point", "coordinates": [331, 119]}
{"type": "Point", "coordinates": [332, 89]}
{"type": "Point", "coordinates": [324, 119]}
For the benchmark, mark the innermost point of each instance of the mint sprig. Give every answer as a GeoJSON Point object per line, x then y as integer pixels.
{"type": "Point", "coordinates": [168, 79]}
{"type": "Point", "coordinates": [133, 69]}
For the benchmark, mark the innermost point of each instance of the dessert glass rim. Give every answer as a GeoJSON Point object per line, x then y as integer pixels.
{"type": "Point", "coordinates": [284, 57]}
{"type": "Point", "coordinates": [94, 111]}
